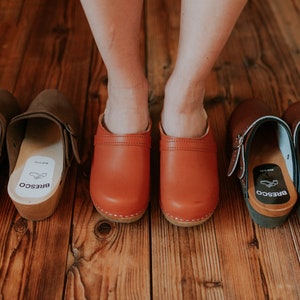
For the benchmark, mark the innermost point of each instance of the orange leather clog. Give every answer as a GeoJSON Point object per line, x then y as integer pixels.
{"type": "Point", "coordinates": [189, 183]}
{"type": "Point", "coordinates": [120, 174]}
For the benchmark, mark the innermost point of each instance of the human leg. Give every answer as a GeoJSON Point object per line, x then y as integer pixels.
{"type": "Point", "coordinates": [205, 28]}
{"type": "Point", "coordinates": [189, 184]}
{"type": "Point", "coordinates": [120, 170]}
{"type": "Point", "coordinates": [116, 27]}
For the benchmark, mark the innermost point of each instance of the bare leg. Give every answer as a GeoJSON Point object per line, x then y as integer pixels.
{"type": "Point", "coordinates": [116, 28]}
{"type": "Point", "coordinates": [205, 28]}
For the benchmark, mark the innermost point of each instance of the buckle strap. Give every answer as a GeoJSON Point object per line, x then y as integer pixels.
{"type": "Point", "coordinates": [239, 145]}
{"type": "Point", "coordinates": [52, 105]}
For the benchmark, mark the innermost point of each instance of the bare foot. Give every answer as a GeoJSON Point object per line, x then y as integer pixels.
{"type": "Point", "coordinates": [126, 109]}
{"type": "Point", "coordinates": [183, 114]}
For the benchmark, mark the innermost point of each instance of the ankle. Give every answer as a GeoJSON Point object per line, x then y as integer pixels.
{"type": "Point", "coordinates": [184, 96]}
{"type": "Point", "coordinates": [126, 109]}
{"type": "Point", "coordinates": [183, 114]}
{"type": "Point", "coordinates": [129, 94]}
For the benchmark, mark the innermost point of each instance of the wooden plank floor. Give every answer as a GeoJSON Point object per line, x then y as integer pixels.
{"type": "Point", "coordinates": [76, 254]}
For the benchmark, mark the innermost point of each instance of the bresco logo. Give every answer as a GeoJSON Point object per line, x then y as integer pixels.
{"type": "Point", "coordinates": [268, 183]}
{"type": "Point", "coordinates": [272, 194]}
{"type": "Point", "coordinates": [34, 186]}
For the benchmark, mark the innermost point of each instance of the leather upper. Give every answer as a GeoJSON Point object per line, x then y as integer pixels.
{"type": "Point", "coordinates": [189, 184]}
{"type": "Point", "coordinates": [120, 173]}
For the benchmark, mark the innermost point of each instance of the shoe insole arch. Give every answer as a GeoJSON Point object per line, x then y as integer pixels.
{"type": "Point", "coordinates": [38, 170]}
{"type": "Point", "coordinates": [270, 166]}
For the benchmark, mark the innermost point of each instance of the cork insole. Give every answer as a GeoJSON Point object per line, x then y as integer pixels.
{"type": "Point", "coordinates": [269, 179]}
{"type": "Point", "coordinates": [39, 166]}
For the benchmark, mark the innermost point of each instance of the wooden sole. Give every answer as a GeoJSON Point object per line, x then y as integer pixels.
{"type": "Point", "coordinates": [182, 223]}
{"type": "Point", "coordinates": [36, 183]}
{"type": "Point", "coordinates": [118, 219]}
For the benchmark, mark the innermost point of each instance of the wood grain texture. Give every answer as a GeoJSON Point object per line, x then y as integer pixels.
{"type": "Point", "coordinates": [256, 62]}
{"type": "Point", "coordinates": [106, 260]}
{"type": "Point", "coordinates": [76, 254]}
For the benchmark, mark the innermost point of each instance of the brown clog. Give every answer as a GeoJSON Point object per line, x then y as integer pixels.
{"type": "Point", "coordinates": [292, 117]}
{"type": "Point", "coordinates": [8, 109]}
{"type": "Point", "coordinates": [263, 158]}
{"type": "Point", "coordinates": [41, 143]}
{"type": "Point", "coordinates": [189, 183]}
{"type": "Point", "coordinates": [120, 174]}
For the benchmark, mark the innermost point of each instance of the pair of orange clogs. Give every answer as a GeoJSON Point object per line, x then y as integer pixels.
{"type": "Point", "coordinates": [265, 158]}
{"type": "Point", "coordinates": [120, 176]}
{"type": "Point", "coordinates": [40, 144]}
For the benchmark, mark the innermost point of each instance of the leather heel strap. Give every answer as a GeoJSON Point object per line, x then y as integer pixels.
{"type": "Point", "coordinates": [247, 116]}
{"type": "Point", "coordinates": [244, 121]}
{"type": "Point", "coordinates": [52, 105]}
